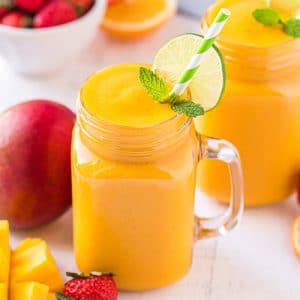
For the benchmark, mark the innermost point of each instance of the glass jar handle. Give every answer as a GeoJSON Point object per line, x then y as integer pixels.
{"type": "Point", "coordinates": [224, 151]}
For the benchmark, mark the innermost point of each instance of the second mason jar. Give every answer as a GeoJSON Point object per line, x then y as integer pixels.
{"type": "Point", "coordinates": [260, 111]}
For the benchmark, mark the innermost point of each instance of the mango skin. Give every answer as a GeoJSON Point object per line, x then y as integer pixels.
{"type": "Point", "coordinates": [35, 176]}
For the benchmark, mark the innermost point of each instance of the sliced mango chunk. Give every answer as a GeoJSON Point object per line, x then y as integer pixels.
{"type": "Point", "coordinates": [25, 249]}
{"type": "Point", "coordinates": [36, 264]}
{"type": "Point", "coordinates": [26, 244]}
{"type": "Point", "coordinates": [51, 296]}
{"type": "Point", "coordinates": [4, 236]}
{"type": "Point", "coordinates": [29, 291]}
{"type": "Point", "coordinates": [4, 259]}
{"type": "Point", "coordinates": [4, 291]}
{"type": "Point", "coordinates": [4, 266]}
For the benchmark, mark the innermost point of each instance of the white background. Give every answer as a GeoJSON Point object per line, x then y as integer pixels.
{"type": "Point", "coordinates": [256, 262]}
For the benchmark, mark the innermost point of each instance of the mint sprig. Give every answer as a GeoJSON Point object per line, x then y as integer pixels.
{"type": "Point", "coordinates": [158, 90]}
{"type": "Point", "coordinates": [271, 17]}
{"type": "Point", "coordinates": [60, 296]}
{"type": "Point", "coordinates": [153, 84]}
{"type": "Point", "coordinates": [292, 27]}
{"type": "Point", "coordinates": [188, 107]}
{"type": "Point", "coordinates": [267, 16]}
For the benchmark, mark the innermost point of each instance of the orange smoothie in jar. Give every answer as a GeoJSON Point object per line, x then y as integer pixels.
{"type": "Point", "coordinates": [260, 111]}
{"type": "Point", "coordinates": [133, 183]}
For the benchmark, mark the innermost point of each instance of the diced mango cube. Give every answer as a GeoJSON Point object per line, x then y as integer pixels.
{"type": "Point", "coordinates": [4, 266]}
{"type": "Point", "coordinates": [36, 264]}
{"type": "Point", "coordinates": [29, 291]}
{"type": "Point", "coordinates": [3, 291]}
{"type": "Point", "coordinates": [51, 296]}
{"type": "Point", "coordinates": [4, 236]}
{"type": "Point", "coordinates": [4, 252]}
{"type": "Point", "coordinates": [26, 244]}
{"type": "Point", "coordinates": [25, 249]}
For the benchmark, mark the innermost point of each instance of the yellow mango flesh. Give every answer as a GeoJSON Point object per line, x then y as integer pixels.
{"type": "Point", "coordinates": [25, 249]}
{"type": "Point", "coordinates": [4, 291]}
{"type": "Point", "coordinates": [29, 291]}
{"type": "Point", "coordinates": [51, 296]}
{"type": "Point", "coordinates": [36, 264]}
{"type": "Point", "coordinates": [4, 259]}
{"type": "Point", "coordinates": [25, 245]}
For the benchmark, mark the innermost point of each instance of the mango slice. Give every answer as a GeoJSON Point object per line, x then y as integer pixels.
{"type": "Point", "coordinates": [36, 264]}
{"type": "Point", "coordinates": [51, 296]}
{"type": "Point", "coordinates": [4, 291]}
{"type": "Point", "coordinates": [26, 244]}
{"type": "Point", "coordinates": [25, 249]}
{"type": "Point", "coordinates": [29, 291]}
{"type": "Point", "coordinates": [4, 259]}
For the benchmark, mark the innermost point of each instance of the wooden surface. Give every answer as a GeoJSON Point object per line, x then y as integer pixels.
{"type": "Point", "coordinates": [256, 262]}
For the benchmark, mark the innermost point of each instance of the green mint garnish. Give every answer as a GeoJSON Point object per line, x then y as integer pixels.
{"type": "Point", "coordinates": [158, 90]}
{"type": "Point", "coordinates": [189, 108]}
{"type": "Point", "coordinates": [292, 27]}
{"type": "Point", "coordinates": [267, 16]}
{"type": "Point", "coordinates": [270, 17]}
{"type": "Point", "coordinates": [153, 84]}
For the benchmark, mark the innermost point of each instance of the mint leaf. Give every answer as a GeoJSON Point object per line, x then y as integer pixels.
{"type": "Point", "coordinates": [292, 27]}
{"type": "Point", "coordinates": [154, 85]}
{"type": "Point", "coordinates": [267, 16]}
{"type": "Point", "coordinates": [188, 108]}
{"type": "Point", "coordinates": [60, 296]}
{"type": "Point", "coordinates": [157, 89]}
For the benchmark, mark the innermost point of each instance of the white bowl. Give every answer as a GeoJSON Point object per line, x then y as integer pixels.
{"type": "Point", "coordinates": [42, 51]}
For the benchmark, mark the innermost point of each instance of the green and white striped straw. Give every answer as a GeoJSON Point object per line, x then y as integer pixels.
{"type": "Point", "coordinates": [206, 44]}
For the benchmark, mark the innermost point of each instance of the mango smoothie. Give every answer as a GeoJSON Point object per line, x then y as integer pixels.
{"type": "Point", "coordinates": [133, 183]}
{"type": "Point", "coordinates": [260, 111]}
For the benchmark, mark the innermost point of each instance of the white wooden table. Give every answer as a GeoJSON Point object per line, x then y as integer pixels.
{"type": "Point", "coordinates": [256, 262]}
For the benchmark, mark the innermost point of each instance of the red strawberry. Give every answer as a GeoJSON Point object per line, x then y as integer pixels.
{"type": "Point", "coordinates": [16, 19]}
{"type": "Point", "coordinates": [82, 6]}
{"type": "Point", "coordinates": [5, 7]}
{"type": "Point", "coordinates": [32, 6]}
{"type": "Point", "coordinates": [57, 12]}
{"type": "Point", "coordinates": [3, 11]}
{"type": "Point", "coordinates": [93, 287]}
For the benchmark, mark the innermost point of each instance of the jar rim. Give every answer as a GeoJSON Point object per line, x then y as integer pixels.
{"type": "Point", "coordinates": [100, 120]}
{"type": "Point", "coordinates": [231, 42]}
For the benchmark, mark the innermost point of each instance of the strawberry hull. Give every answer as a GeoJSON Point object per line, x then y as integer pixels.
{"type": "Point", "coordinates": [16, 19]}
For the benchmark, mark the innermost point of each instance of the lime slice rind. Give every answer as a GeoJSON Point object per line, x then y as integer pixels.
{"type": "Point", "coordinates": [207, 87]}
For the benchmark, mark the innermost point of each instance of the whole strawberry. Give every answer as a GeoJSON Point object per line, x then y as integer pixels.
{"type": "Point", "coordinates": [3, 11]}
{"type": "Point", "coordinates": [31, 6]}
{"type": "Point", "coordinates": [57, 12]}
{"type": "Point", "coordinates": [82, 6]}
{"type": "Point", "coordinates": [89, 287]}
{"type": "Point", "coordinates": [5, 6]}
{"type": "Point", "coordinates": [16, 19]}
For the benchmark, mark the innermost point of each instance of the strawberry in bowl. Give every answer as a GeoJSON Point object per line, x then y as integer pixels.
{"type": "Point", "coordinates": [39, 37]}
